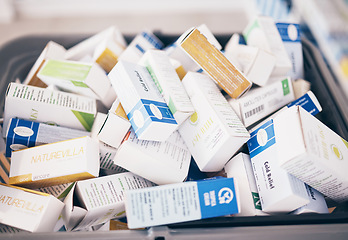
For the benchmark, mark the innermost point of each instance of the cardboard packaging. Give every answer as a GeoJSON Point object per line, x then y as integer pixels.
{"type": "Point", "coordinates": [139, 45]}
{"type": "Point", "coordinates": [239, 168]}
{"type": "Point", "coordinates": [168, 83]}
{"type": "Point", "coordinates": [51, 51]}
{"type": "Point", "coordinates": [179, 69]}
{"type": "Point", "coordinates": [55, 163]}
{"type": "Point", "coordinates": [214, 63]}
{"type": "Point", "coordinates": [44, 105]}
{"type": "Point", "coordinates": [9, 229]}
{"type": "Point", "coordinates": [279, 191]}
{"type": "Point", "coordinates": [257, 64]}
{"type": "Point", "coordinates": [181, 202]}
{"type": "Point", "coordinates": [4, 169]}
{"type": "Point", "coordinates": [160, 162]}
{"type": "Point", "coordinates": [88, 46]}
{"type": "Point", "coordinates": [87, 79]}
{"type": "Point", "coordinates": [23, 134]}
{"type": "Point", "coordinates": [263, 33]}
{"type": "Point", "coordinates": [97, 124]}
{"type": "Point", "coordinates": [107, 155]}
{"type": "Point", "coordinates": [261, 102]}
{"type": "Point", "coordinates": [59, 191]}
{"type": "Point", "coordinates": [146, 109]}
{"type": "Point", "coordinates": [312, 152]}
{"type": "Point", "coordinates": [98, 200]}
{"type": "Point", "coordinates": [28, 210]}
{"type": "Point", "coordinates": [291, 37]}
{"type": "Point", "coordinates": [317, 203]}
{"type": "Point", "coordinates": [214, 132]}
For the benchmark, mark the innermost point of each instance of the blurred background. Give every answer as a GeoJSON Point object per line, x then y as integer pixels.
{"type": "Point", "coordinates": [324, 22]}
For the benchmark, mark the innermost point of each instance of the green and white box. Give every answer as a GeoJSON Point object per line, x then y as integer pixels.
{"type": "Point", "coordinates": [143, 103]}
{"type": "Point", "coordinates": [263, 33]}
{"type": "Point", "coordinates": [260, 102]}
{"type": "Point", "coordinates": [160, 162]}
{"type": "Point", "coordinates": [95, 201]}
{"type": "Point", "coordinates": [169, 84]}
{"type": "Point", "coordinates": [87, 79]}
{"type": "Point", "coordinates": [312, 152]}
{"type": "Point", "coordinates": [48, 106]}
{"type": "Point", "coordinates": [28, 210]}
{"type": "Point", "coordinates": [240, 169]}
{"type": "Point", "coordinates": [214, 132]}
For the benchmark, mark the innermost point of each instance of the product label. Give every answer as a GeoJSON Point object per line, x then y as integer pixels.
{"type": "Point", "coordinates": [180, 202]}
{"type": "Point", "coordinates": [306, 103]}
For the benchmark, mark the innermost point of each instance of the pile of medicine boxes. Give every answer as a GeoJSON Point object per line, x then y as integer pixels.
{"type": "Point", "coordinates": [144, 134]}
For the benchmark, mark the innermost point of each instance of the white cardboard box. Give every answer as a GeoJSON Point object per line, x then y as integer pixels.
{"type": "Point", "coordinates": [260, 102]}
{"type": "Point", "coordinates": [160, 162]}
{"type": "Point", "coordinates": [23, 133]}
{"type": "Point", "coordinates": [279, 191]}
{"type": "Point", "coordinates": [317, 203]}
{"type": "Point", "coordinates": [240, 169]}
{"type": "Point", "coordinates": [263, 33]}
{"type": "Point", "coordinates": [87, 79]}
{"type": "Point", "coordinates": [44, 105]}
{"type": "Point", "coordinates": [312, 152]}
{"type": "Point", "coordinates": [99, 200]}
{"type": "Point", "coordinates": [214, 132]}
{"type": "Point", "coordinates": [181, 202]}
{"type": "Point", "coordinates": [146, 109]}
{"type": "Point", "coordinates": [55, 163]}
{"type": "Point", "coordinates": [168, 83]}
{"type": "Point", "coordinates": [28, 210]}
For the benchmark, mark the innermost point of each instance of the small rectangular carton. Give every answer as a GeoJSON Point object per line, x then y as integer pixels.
{"type": "Point", "coordinates": [239, 168]}
{"type": "Point", "coordinates": [260, 102]}
{"type": "Point", "coordinates": [291, 37]}
{"type": "Point", "coordinates": [257, 64]}
{"type": "Point", "coordinates": [279, 191]}
{"type": "Point", "coordinates": [317, 203]}
{"type": "Point", "coordinates": [214, 63]}
{"type": "Point", "coordinates": [55, 163]}
{"type": "Point", "coordinates": [96, 201]}
{"type": "Point", "coordinates": [28, 210]}
{"type": "Point", "coordinates": [312, 152]}
{"type": "Point", "coordinates": [139, 45]}
{"type": "Point", "coordinates": [214, 133]}
{"type": "Point", "coordinates": [23, 133]}
{"type": "Point", "coordinates": [181, 202]}
{"type": "Point", "coordinates": [160, 162]}
{"type": "Point", "coordinates": [263, 33]}
{"type": "Point", "coordinates": [169, 84]}
{"type": "Point", "coordinates": [88, 46]}
{"type": "Point", "coordinates": [87, 79]}
{"type": "Point", "coordinates": [49, 106]}
{"type": "Point", "coordinates": [51, 51]}
{"type": "Point", "coordinates": [144, 105]}
{"type": "Point", "coordinates": [107, 155]}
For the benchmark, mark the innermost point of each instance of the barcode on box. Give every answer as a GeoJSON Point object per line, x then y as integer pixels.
{"type": "Point", "coordinates": [254, 111]}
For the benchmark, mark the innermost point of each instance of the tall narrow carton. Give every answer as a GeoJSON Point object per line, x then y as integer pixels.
{"type": "Point", "coordinates": [144, 105]}
{"type": "Point", "coordinates": [51, 51]}
{"type": "Point", "coordinates": [263, 33]}
{"type": "Point", "coordinates": [55, 163]}
{"type": "Point", "coordinates": [168, 83]}
{"type": "Point", "coordinates": [139, 45]}
{"type": "Point", "coordinates": [214, 132]}
{"type": "Point", "coordinates": [23, 133]}
{"type": "Point", "coordinates": [95, 201]}
{"type": "Point", "coordinates": [240, 169]}
{"type": "Point", "coordinates": [50, 106]}
{"type": "Point", "coordinates": [261, 102]}
{"type": "Point", "coordinates": [291, 37]}
{"type": "Point", "coordinates": [215, 64]}
{"type": "Point", "coordinates": [312, 152]}
{"type": "Point", "coordinates": [160, 162]}
{"type": "Point", "coordinates": [279, 191]}
{"type": "Point", "coordinates": [87, 79]}
{"type": "Point", "coordinates": [181, 202]}
{"type": "Point", "coordinates": [28, 210]}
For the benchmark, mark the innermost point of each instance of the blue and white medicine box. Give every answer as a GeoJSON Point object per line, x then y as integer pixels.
{"type": "Point", "coordinates": [144, 105]}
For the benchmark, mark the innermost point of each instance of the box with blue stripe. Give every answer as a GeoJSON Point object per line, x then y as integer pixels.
{"type": "Point", "coordinates": [144, 105]}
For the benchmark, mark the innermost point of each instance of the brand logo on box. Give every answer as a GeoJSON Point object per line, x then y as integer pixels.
{"type": "Point", "coordinates": [225, 195]}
